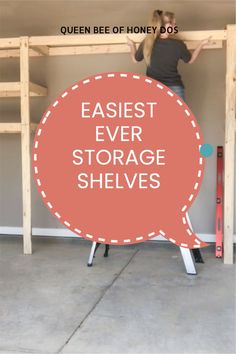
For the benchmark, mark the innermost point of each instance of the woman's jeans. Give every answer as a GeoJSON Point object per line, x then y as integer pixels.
{"type": "Point", "coordinates": [179, 90]}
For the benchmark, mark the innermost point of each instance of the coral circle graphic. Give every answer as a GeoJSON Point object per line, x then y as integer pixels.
{"type": "Point", "coordinates": [116, 159]}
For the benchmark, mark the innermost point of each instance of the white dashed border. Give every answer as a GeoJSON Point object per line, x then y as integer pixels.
{"type": "Point", "coordinates": [152, 233]}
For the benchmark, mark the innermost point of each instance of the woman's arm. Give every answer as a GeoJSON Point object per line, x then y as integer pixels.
{"type": "Point", "coordinates": [136, 54]}
{"type": "Point", "coordinates": [197, 51]}
{"type": "Point", "coordinates": [133, 49]}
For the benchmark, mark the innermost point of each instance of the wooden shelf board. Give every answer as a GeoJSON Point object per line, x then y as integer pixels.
{"type": "Point", "coordinates": [95, 39]}
{"type": "Point", "coordinates": [12, 89]}
{"type": "Point", "coordinates": [91, 49]}
{"type": "Point", "coordinates": [13, 128]}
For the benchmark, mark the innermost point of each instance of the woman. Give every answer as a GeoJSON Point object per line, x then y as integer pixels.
{"type": "Point", "coordinates": [162, 51]}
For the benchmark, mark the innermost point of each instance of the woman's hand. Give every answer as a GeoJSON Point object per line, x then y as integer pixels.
{"type": "Point", "coordinates": [198, 49]}
{"type": "Point", "coordinates": [132, 47]}
{"type": "Point", "coordinates": [206, 41]}
{"type": "Point", "coordinates": [129, 41]}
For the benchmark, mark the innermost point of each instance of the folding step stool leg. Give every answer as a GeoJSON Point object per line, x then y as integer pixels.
{"type": "Point", "coordinates": [196, 252]}
{"type": "Point", "coordinates": [188, 261]}
{"type": "Point", "coordinates": [197, 256]}
{"type": "Point", "coordinates": [187, 255]}
{"type": "Point", "coordinates": [106, 250]}
{"type": "Point", "coordinates": [92, 252]}
{"type": "Point", "coordinates": [94, 248]}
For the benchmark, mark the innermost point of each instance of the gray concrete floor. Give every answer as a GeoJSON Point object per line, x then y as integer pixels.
{"type": "Point", "coordinates": [139, 300]}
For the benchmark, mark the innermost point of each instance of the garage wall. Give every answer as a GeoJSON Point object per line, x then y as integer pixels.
{"type": "Point", "coordinates": [204, 81]}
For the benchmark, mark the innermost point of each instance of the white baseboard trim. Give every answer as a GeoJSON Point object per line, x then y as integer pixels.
{"type": "Point", "coordinates": [63, 232]}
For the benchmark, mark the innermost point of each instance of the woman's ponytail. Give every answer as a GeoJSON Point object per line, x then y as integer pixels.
{"type": "Point", "coordinates": [156, 22]}
{"type": "Point", "coordinates": [158, 19]}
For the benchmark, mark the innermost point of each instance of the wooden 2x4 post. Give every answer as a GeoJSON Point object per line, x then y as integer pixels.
{"type": "Point", "coordinates": [25, 143]}
{"type": "Point", "coordinates": [229, 168]}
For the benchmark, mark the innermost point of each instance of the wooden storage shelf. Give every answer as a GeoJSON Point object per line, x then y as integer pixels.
{"type": "Point", "coordinates": [13, 128]}
{"type": "Point", "coordinates": [26, 47]}
{"type": "Point", "coordinates": [39, 51]}
{"type": "Point", "coordinates": [12, 89]}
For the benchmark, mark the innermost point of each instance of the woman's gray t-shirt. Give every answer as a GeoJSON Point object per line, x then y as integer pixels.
{"type": "Point", "coordinates": [164, 60]}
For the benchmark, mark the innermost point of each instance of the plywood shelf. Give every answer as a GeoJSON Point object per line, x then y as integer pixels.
{"type": "Point", "coordinates": [13, 89]}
